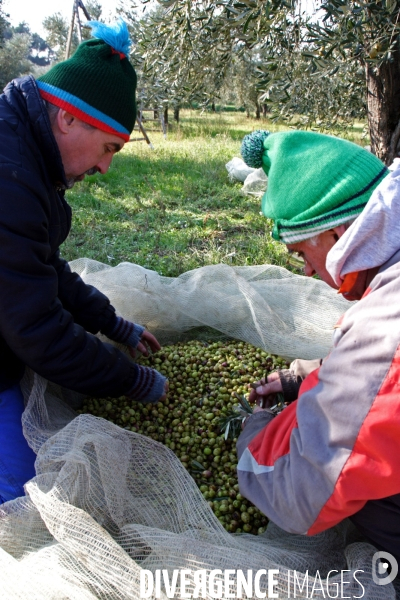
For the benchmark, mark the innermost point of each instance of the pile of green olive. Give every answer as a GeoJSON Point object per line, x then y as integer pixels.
{"type": "Point", "coordinates": [205, 380]}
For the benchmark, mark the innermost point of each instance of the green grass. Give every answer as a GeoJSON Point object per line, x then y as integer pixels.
{"type": "Point", "coordinates": [173, 208]}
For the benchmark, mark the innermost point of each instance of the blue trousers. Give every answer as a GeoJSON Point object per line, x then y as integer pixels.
{"type": "Point", "coordinates": [17, 459]}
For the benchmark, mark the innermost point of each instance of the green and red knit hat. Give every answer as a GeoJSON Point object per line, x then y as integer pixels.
{"type": "Point", "coordinates": [315, 181]}
{"type": "Point", "coordinates": [98, 83]}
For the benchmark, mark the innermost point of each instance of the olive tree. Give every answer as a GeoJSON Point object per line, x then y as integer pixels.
{"type": "Point", "coordinates": [175, 65]}
{"type": "Point", "coordinates": [56, 27]}
{"type": "Point", "coordinates": [14, 58]}
{"type": "Point", "coordinates": [3, 23]}
{"type": "Point", "coordinates": [328, 68]}
{"type": "Point", "coordinates": [39, 52]}
{"type": "Point", "coordinates": [366, 34]}
{"type": "Point", "coordinates": [240, 86]}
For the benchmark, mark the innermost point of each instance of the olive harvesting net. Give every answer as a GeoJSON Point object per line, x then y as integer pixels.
{"type": "Point", "coordinates": [109, 504]}
{"type": "Point", "coordinates": [267, 306]}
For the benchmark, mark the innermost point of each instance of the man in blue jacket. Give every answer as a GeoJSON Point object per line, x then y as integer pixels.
{"type": "Point", "coordinates": [53, 132]}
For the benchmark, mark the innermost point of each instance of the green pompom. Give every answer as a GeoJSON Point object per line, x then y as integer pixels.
{"type": "Point", "coordinates": [253, 148]}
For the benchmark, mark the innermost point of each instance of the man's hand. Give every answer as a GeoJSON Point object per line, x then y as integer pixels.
{"type": "Point", "coordinates": [264, 391]}
{"type": "Point", "coordinates": [257, 409]}
{"type": "Point", "coordinates": [147, 341]}
{"type": "Point", "coordinates": [163, 397]}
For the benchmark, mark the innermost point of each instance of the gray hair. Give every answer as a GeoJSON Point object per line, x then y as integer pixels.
{"type": "Point", "coordinates": [313, 241]}
{"type": "Point", "coordinates": [52, 111]}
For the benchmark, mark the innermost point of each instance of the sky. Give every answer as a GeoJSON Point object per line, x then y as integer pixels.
{"type": "Point", "coordinates": [34, 12]}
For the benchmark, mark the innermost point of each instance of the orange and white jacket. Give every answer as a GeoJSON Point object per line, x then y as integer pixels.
{"type": "Point", "coordinates": [337, 446]}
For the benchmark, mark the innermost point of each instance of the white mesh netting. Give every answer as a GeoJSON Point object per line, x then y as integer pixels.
{"type": "Point", "coordinates": [107, 503]}
{"type": "Point", "coordinates": [265, 305]}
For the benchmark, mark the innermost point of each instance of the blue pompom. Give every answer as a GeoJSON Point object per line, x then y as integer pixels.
{"type": "Point", "coordinates": [253, 148]}
{"type": "Point", "coordinates": [116, 35]}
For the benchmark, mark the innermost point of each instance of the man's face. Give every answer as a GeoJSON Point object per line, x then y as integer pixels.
{"type": "Point", "coordinates": [314, 254]}
{"type": "Point", "coordinates": [84, 150]}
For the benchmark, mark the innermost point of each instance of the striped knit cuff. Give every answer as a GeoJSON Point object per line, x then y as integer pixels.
{"type": "Point", "coordinates": [125, 332]}
{"type": "Point", "coordinates": [149, 385]}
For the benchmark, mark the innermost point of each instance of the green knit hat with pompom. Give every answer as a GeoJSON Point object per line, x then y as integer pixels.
{"type": "Point", "coordinates": [315, 181]}
{"type": "Point", "coordinates": [98, 83]}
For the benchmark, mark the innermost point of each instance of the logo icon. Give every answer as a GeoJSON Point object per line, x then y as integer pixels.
{"type": "Point", "coordinates": [384, 568]}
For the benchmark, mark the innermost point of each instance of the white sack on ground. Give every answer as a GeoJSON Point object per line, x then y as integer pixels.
{"type": "Point", "coordinates": [255, 184]}
{"type": "Point", "coordinates": [237, 169]}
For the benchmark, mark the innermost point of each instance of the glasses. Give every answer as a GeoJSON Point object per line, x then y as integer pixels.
{"type": "Point", "coordinates": [295, 260]}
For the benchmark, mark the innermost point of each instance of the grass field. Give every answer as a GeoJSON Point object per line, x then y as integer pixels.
{"type": "Point", "coordinates": [173, 208]}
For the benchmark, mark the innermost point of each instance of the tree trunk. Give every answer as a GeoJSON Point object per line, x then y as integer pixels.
{"type": "Point", "coordinates": [166, 115]}
{"type": "Point", "coordinates": [176, 114]}
{"type": "Point", "coordinates": [264, 110]}
{"type": "Point", "coordinates": [258, 111]}
{"type": "Point", "coordinates": [383, 108]}
{"type": "Point", "coordinates": [155, 113]}
{"type": "Point", "coordinates": [213, 106]}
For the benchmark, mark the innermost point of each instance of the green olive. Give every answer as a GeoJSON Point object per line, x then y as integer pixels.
{"type": "Point", "coordinates": [204, 380]}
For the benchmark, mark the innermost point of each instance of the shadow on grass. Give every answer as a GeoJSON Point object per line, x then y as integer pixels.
{"type": "Point", "coordinates": [173, 208]}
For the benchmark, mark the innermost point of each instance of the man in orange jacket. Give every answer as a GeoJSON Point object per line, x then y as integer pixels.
{"type": "Point", "coordinates": [333, 451]}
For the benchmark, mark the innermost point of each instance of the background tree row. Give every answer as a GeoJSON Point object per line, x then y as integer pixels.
{"type": "Point", "coordinates": [323, 68]}
{"type": "Point", "coordinates": [320, 68]}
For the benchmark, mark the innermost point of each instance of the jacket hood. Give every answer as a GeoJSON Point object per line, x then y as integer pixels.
{"type": "Point", "coordinates": [374, 237]}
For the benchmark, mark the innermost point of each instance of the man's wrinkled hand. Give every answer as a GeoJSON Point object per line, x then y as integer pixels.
{"type": "Point", "coordinates": [148, 343]}
{"type": "Point", "coordinates": [263, 392]}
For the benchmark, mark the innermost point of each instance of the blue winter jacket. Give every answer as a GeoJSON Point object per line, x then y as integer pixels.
{"type": "Point", "coordinates": [46, 311]}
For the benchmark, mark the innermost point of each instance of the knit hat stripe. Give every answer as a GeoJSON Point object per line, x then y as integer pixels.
{"type": "Point", "coordinates": [83, 116]}
{"type": "Point", "coordinates": [315, 181]}
{"type": "Point", "coordinates": [342, 213]}
{"type": "Point", "coordinates": [81, 109]}
{"type": "Point", "coordinates": [298, 231]}
{"type": "Point", "coordinates": [288, 236]}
